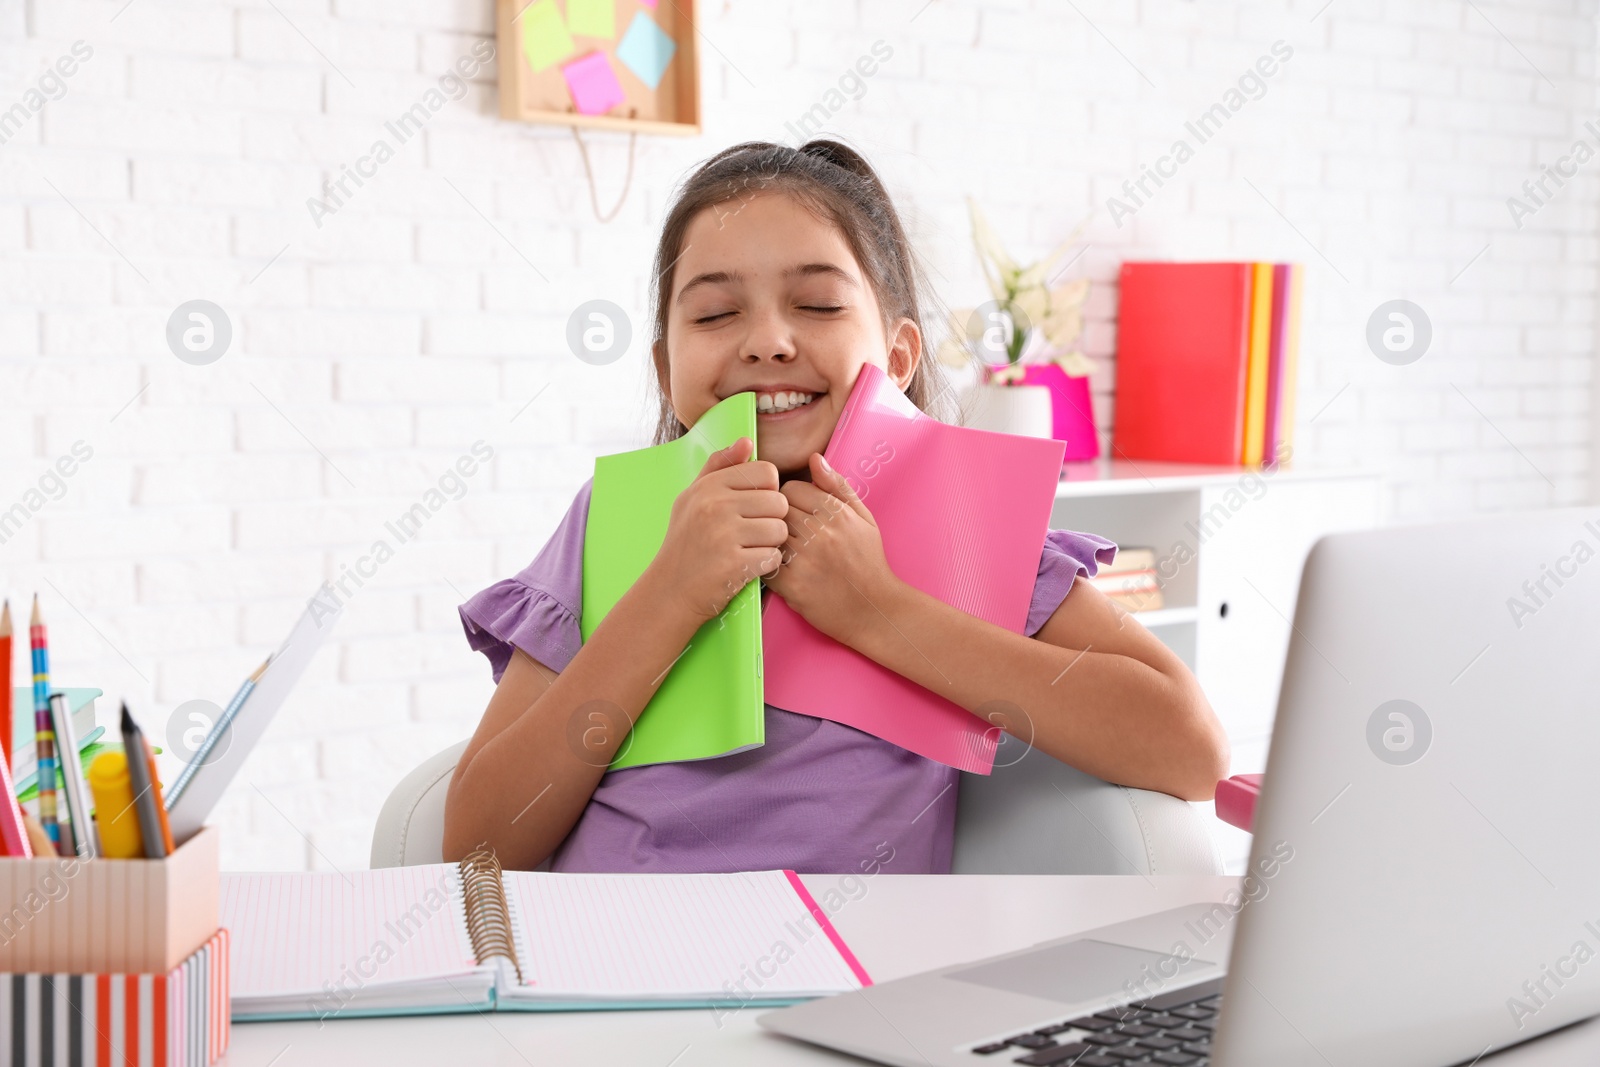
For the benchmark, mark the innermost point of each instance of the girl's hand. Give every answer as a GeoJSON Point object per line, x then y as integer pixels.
{"type": "Point", "coordinates": [834, 571]}
{"type": "Point", "coordinates": [726, 528]}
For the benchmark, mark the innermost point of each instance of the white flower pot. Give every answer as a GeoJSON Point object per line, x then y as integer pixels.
{"type": "Point", "coordinates": [1020, 409]}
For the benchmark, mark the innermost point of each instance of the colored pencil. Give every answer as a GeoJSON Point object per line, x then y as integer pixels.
{"type": "Point", "coordinates": [220, 727]}
{"type": "Point", "coordinates": [5, 680]}
{"type": "Point", "coordinates": [155, 793]}
{"type": "Point", "coordinates": [13, 830]}
{"type": "Point", "coordinates": [44, 735]}
{"type": "Point", "coordinates": [147, 805]}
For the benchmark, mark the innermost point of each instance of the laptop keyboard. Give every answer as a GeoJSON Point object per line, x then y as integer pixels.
{"type": "Point", "coordinates": [1174, 1028]}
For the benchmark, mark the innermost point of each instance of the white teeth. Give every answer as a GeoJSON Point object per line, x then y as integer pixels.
{"type": "Point", "coordinates": [786, 401]}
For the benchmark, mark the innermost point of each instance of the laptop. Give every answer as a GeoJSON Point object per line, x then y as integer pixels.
{"type": "Point", "coordinates": [1424, 879]}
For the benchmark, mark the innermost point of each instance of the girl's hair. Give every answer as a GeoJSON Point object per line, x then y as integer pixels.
{"type": "Point", "coordinates": [836, 183]}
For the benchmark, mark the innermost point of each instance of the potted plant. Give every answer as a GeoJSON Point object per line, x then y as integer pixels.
{"type": "Point", "coordinates": [1034, 380]}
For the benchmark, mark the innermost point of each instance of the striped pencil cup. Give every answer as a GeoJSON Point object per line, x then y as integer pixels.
{"type": "Point", "coordinates": [176, 1019]}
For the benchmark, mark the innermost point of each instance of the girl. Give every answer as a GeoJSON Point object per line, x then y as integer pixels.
{"type": "Point", "coordinates": [782, 271]}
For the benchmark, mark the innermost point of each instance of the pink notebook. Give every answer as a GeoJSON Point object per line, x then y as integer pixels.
{"type": "Point", "coordinates": [963, 514]}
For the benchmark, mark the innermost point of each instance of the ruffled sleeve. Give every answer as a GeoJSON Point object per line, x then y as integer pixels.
{"type": "Point", "coordinates": [1066, 555]}
{"type": "Point", "coordinates": [538, 609]}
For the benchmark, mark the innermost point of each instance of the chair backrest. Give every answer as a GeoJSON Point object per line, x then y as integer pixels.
{"type": "Point", "coordinates": [1034, 815]}
{"type": "Point", "coordinates": [1037, 815]}
{"type": "Point", "coordinates": [410, 827]}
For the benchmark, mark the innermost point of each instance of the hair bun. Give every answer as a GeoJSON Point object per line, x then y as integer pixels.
{"type": "Point", "coordinates": [840, 155]}
{"type": "Point", "coordinates": [848, 159]}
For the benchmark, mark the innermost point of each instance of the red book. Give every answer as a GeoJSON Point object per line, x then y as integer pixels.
{"type": "Point", "coordinates": [1183, 346]}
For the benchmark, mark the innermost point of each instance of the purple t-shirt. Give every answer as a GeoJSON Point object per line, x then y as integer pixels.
{"type": "Point", "coordinates": [818, 797]}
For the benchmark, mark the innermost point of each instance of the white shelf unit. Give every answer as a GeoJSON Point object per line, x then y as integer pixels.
{"type": "Point", "coordinates": [1229, 545]}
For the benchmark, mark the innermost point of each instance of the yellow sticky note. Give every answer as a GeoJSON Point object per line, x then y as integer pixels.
{"type": "Point", "coordinates": [592, 18]}
{"type": "Point", "coordinates": [545, 40]}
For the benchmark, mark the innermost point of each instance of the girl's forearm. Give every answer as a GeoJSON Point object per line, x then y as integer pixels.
{"type": "Point", "coordinates": [1109, 715]}
{"type": "Point", "coordinates": [544, 743]}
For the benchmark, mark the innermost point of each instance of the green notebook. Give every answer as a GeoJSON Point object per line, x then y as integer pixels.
{"type": "Point", "coordinates": [710, 704]}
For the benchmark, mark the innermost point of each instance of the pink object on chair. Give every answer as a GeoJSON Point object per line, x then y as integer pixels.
{"type": "Point", "coordinates": [1236, 800]}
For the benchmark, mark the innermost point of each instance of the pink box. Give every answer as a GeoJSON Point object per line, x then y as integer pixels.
{"type": "Point", "coordinates": [64, 915]}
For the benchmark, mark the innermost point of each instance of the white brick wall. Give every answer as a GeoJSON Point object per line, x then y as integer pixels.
{"type": "Point", "coordinates": [371, 351]}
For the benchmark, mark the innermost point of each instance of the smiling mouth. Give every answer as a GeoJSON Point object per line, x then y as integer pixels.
{"type": "Point", "coordinates": [783, 402]}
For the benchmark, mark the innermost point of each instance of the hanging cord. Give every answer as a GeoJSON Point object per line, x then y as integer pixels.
{"type": "Point", "coordinates": [594, 195]}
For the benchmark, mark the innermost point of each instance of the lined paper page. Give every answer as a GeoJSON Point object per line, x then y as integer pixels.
{"type": "Point", "coordinates": [292, 933]}
{"type": "Point", "coordinates": [670, 935]}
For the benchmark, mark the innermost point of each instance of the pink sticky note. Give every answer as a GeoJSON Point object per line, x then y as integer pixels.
{"type": "Point", "coordinates": [651, 4]}
{"type": "Point", "coordinates": [594, 84]}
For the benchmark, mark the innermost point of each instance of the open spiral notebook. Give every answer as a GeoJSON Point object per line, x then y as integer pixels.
{"type": "Point", "coordinates": [470, 937]}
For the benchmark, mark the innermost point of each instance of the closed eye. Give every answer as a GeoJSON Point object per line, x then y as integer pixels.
{"type": "Point", "coordinates": [818, 308]}
{"type": "Point", "coordinates": [713, 318]}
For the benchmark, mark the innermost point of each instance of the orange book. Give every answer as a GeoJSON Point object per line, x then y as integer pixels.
{"type": "Point", "coordinates": [1255, 393]}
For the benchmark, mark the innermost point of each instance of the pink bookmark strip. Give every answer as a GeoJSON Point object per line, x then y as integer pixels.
{"type": "Point", "coordinates": [827, 927]}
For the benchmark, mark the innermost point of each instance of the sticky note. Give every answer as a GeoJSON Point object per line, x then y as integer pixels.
{"type": "Point", "coordinates": [593, 83]}
{"type": "Point", "coordinates": [545, 40]}
{"type": "Point", "coordinates": [646, 49]}
{"type": "Point", "coordinates": [651, 4]}
{"type": "Point", "coordinates": [592, 18]}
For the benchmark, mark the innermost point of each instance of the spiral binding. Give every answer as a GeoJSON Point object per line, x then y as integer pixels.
{"type": "Point", "coordinates": [488, 918]}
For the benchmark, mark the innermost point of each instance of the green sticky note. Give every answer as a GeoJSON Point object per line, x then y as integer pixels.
{"type": "Point", "coordinates": [592, 18]}
{"type": "Point", "coordinates": [711, 702]}
{"type": "Point", "coordinates": [545, 40]}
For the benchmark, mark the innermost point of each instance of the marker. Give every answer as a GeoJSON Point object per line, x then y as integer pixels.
{"type": "Point", "coordinates": [146, 801]}
{"type": "Point", "coordinates": [73, 785]}
{"type": "Point", "coordinates": [44, 737]}
{"type": "Point", "coordinates": [117, 819]}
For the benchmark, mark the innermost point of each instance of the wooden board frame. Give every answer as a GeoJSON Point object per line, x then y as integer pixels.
{"type": "Point", "coordinates": [672, 108]}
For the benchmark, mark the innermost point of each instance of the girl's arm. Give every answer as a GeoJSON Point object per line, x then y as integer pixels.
{"type": "Point", "coordinates": [1096, 689]}
{"type": "Point", "coordinates": [546, 738]}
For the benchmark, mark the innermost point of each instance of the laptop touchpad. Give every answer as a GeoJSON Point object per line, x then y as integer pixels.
{"type": "Point", "coordinates": [1082, 970]}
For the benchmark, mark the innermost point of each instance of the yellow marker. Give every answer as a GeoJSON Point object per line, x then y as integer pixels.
{"type": "Point", "coordinates": [114, 810]}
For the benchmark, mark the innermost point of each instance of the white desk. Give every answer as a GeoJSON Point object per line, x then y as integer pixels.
{"type": "Point", "coordinates": [903, 924]}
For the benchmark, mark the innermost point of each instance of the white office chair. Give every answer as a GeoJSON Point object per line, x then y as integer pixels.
{"type": "Point", "coordinates": [1035, 815]}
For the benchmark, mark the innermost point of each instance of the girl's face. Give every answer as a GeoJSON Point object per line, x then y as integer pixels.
{"type": "Point", "coordinates": [768, 298]}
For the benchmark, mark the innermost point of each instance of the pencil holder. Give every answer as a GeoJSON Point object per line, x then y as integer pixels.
{"type": "Point", "coordinates": [108, 916]}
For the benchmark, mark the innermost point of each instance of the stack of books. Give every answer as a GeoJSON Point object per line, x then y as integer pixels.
{"type": "Point", "coordinates": [1207, 356]}
{"type": "Point", "coordinates": [1130, 580]}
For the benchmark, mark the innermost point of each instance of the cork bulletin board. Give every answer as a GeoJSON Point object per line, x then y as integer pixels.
{"type": "Point", "coordinates": [609, 64]}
